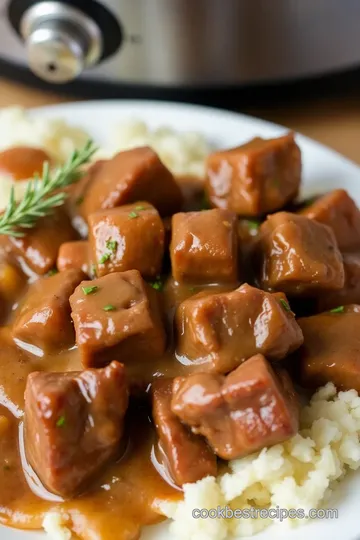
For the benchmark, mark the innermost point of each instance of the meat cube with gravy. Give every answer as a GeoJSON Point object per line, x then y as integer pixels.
{"type": "Point", "coordinates": [204, 247]}
{"type": "Point", "coordinates": [74, 425]}
{"type": "Point", "coordinates": [117, 316]}
{"type": "Point", "coordinates": [339, 211]}
{"type": "Point", "coordinates": [129, 237]}
{"type": "Point", "coordinates": [259, 177]}
{"type": "Point", "coordinates": [297, 255]}
{"type": "Point", "coordinates": [40, 246]}
{"type": "Point", "coordinates": [43, 318]}
{"type": "Point", "coordinates": [187, 456]}
{"type": "Point", "coordinates": [131, 176]}
{"type": "Point", "coordinates": [331, 350]}
{"type": "Point", "coordinates": [239, 413]}
{"type": "Point", "coordinates": [350, 293]}
{"type": "Point", "coordinates": [74, 255]}
{"type": "Point", "coordinates": [217, 332]}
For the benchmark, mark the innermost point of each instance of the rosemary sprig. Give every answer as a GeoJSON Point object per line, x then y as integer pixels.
{"type": "Point", "coordinates": [39, 198]}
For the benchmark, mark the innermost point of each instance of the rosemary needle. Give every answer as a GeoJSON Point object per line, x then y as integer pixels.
{"type": "Point", "coordinates": [42, 194]}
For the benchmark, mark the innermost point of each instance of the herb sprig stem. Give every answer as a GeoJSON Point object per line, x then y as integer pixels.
{"type": "Point", "coordinates": [41, 194]}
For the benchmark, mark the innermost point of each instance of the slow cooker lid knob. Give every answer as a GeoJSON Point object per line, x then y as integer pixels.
{"type": "Point", "coordinates": [61, 41]}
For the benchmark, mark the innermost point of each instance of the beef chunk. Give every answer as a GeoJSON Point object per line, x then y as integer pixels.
{"type": "Point", "coordinates": [338, 210]}
{"type": "Point", "coordinates": [219, 331]}
{"type": "Point", "coordinates": [298, 255]}
{"type": "Point", "coordinates": [74, 424]}
{"type": "Point", "coordinates": [239, 413]}
{"type": "Point", "coordinates": [117, 316]}
{"type": "Point", "coordinates": [43, 318]}
{"type": "Point", "coordinates": [258, 177]}
{"type": "Point", "coordinates": [131, 176]}
{"type": "Point", "coordinates": [39, 248]}
{"type": "Point", "coordinates": [204, 247]}
{"type": "Point", "coordinates": [350, 293]}
{"type": "Point", "coordinates": [187, 456]}
{"type": "Point", "coordinates": [75, 255]}
{"type": "Point", "coordinates": [130, 237]}
{"type": "Point", "coordinates": [331, 350]}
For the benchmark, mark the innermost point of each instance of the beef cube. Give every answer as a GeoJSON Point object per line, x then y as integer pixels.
{"type": "Point", "coordinates": [338, 210]}
{"type": "Point", "coordinates": [217, 332]}
{"type": "Point", "coordinates": [75, 255]}
{"type": "Point", "coordinates": [43, 318]}
{"type": "Point", "coordinates": [39, 247]}
{"type": "Point", "coordinates": [117, 316]}
{"type": "Point", "coordinates": [298, 255]}
{"type": "Point", "coordinates": [74, 424]}
{"type": "Point", "coordinates": [130, 237]}
{"type": "Point", "coordinates": [331, 350]}
{"type": "Point", "coordinates": [204, 247]}
{"type": "Point", "coordinates": [187, 456]}
{"type": "Point", "coordinates": [240, 413]}
{"type": "Point", "coordinates": [350, 293]}
{"type": "Point", "coordinates": [130, 176]}
{"type": "Point", "coordinates": [256, 178]}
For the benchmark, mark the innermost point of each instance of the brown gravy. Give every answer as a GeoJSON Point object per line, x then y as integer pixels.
{"type": "Point", "coordinates": [122, 498]}
{"type": "Point", "coordinates": [22, 162]}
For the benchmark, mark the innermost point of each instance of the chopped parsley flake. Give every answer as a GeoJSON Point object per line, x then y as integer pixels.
{"type": "Point", "coordinates": [253, 224]}
{"type": "Point", "coordinates": [109, 307]}
{"type": "Point", "coordinates": [104, 258]}
{"type": "Point", "coordinates": [133, 215]}
{"type": "Point", "coordinates": [52, 272]}
{"type": "Point", "coordinates": [93, 270]}
{"type": "Point", "coordinates": [112, 245]}
{"type": "Point", "coordinates": [339, 309]}
{"type": "Point", "coordinates": [79, 200]}
{"type": "Point", "coordinates": [60, 421]}
{"type": "Point", "coordinates": [157, 285]}
{"type": "Point", "coordinates": [139, 207]}
{"type": "Point", "coordinates": [89, 290]}
{"type": "Point", "coordinates": [285, 305]}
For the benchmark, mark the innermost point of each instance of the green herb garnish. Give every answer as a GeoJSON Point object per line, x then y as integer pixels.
{"type": "Point", "coordinates": [139, 208]}
{"type": "Point", "coordinates": [104, 258]}
{"type": "Point", "coordinates": [285, 305]}
{"type": "Point", "coordinates": [339, 309]}
{"type": "Point", "coordinates": [89, 290]}
{"type": "Point", "coordinates": [52, 272]}
{"type": "Point", "coordinates": [109, 307]}
{"type": "Point", "coordinates": [158, 285]}
{"type": "Point", "coordinates": [112, 245]}
{"type": "Point", "coordinates": [93, 270]}
{"type": "Point", "coordinates": [79, 200]}
{"type": "Point", "coordinates": [60, 421]}
{"type": "Point", "coordinates": [42, 195]}
{"type": "Point", "coordinates": [133, 215]}
{"type": "Point", "coordinates": [253, 224]}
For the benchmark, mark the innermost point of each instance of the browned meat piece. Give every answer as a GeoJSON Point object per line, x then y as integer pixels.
{"type": "Point", "coordinates": [219, 331]}
{"type": "Point", "coordinates": [350, 293]}
{"type": "Point", "coordinates": [134, 175]}
{"type": "Point", "coordinates": [40, 246]}
{"type": "Point", "coordinates": [130, 237]}
{"type": "Point", "coordinates": [187, 456]}
{"type": "Point", "coordinates": [117, 316]}
{"type": "Point", "coordinates": [44, 318]}
{"type": "Point", "coordinates": [204, 247]}
{"type": "Point", "coordinates": [338, 210]}
{"type": "Point", "coordinates": [75, 255]}
{"type": "Point", "coordinates": [238, 414]}
{"type": "Point", "coordinates": [74, 424]}
{"type": "Point", "coordinates": [331, 350]}
{"type": "Point", "coordinates": [298, 256]}
{"type": "Point", "coordinates": [256, 178]}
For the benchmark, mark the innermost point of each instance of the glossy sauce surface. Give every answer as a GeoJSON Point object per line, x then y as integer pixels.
{"type": "Point", "coordinates": [22, 162]}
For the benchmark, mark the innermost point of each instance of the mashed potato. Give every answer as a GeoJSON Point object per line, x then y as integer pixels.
{"type": "Point", "coordinates": [182, 153]}
{"type": "Point", "coordinates": [299, 473]}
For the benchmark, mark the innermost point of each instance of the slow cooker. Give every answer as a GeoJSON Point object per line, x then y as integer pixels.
{"type": "Point", "coordinates": [179, 43]}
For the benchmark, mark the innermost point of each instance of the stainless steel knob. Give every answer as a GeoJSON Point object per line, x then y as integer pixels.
{"type": "Point", "coordinates": [61, 41]}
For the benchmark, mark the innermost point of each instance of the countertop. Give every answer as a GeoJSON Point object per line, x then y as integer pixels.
{"type": "Point", "coordinates": [330, 119]}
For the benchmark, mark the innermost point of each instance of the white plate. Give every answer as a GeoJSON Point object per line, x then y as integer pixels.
{"type": "Point", "coordinates": [323, 170]}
